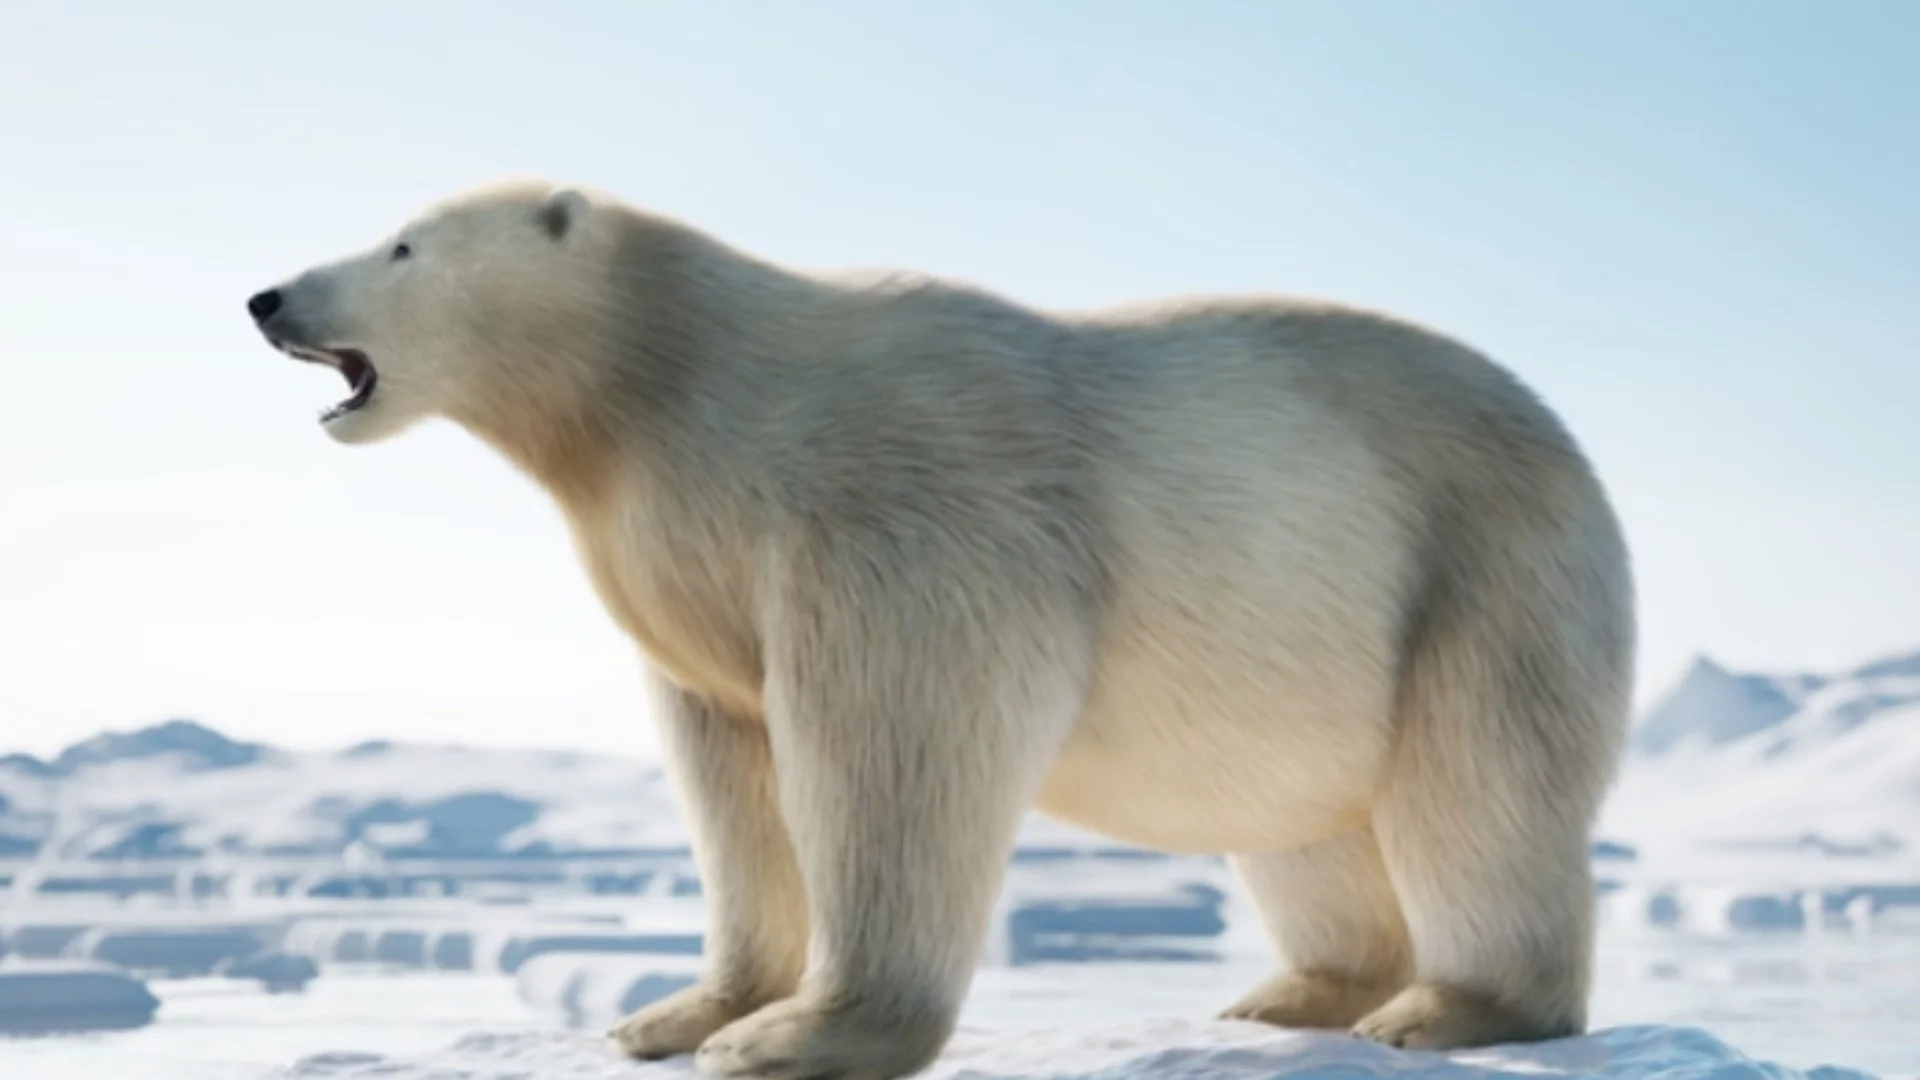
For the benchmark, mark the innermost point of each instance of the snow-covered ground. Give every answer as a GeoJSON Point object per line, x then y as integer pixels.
{"type": "Point", "coordinates": [1169, 1048]}
{"type": "Point", "coordinates": [1759, 868]}
{"type": "Point", "coordinates": [1785, 999]}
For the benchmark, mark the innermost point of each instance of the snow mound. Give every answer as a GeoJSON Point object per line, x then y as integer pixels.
{"type": "Point", "coordinates": [177, 952]}
{"type": "Point", "coordinates": [58, 998]}
{"type": "Point", "coordinates": [276, 972]}
{"type": "Point", "coordinates": [527, 947]}
{"type": "Point", "coordinates": [452, 942]}
{"type": "Point", "coordinates": [593, 990]}
{"type": "Point", "coordinates": [1176, 1049]}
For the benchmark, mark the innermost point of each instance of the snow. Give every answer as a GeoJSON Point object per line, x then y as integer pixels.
{"type": "Point", "coordinates": [1184, 1050]}
{"type": "Point", "coordinates": [1120, 922]}
{"type": "Point", "coordinates": [181, 790]}
{"type": "Point", "coordinates": [276, 972]}
{"type": "Point", "coordinates": [440, 800]}
{"type": "Point", "coordinates": [170, 951]}
{"type": "Point", "coordinates": [1714, 706]}
{"type": "Point", "coordinates": [394, 940]}
{"type": "Point", "coordinates": [591, 991]}
{"type": "Point", "coordinates": [1774, 803]}
{"type": "Point", "coordinates": [41, 941]}
{"type": "Point", "coordinates": [526, 947]}
{"type": "Point", "coordinates": [1816, 764]}
{"type": "Point", "coordinates": [1751, 804]}
{"type": "Point", "coordinates": [1823, 759]}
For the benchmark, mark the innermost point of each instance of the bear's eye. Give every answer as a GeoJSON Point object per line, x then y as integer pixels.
{"type": "Point", "coordinates": [402, 251]}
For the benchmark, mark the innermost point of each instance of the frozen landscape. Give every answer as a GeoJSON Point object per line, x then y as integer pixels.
{"type": "Point", "coordinates": [258, 817]}
{"type": "Point", "coordinates": [176, 904]}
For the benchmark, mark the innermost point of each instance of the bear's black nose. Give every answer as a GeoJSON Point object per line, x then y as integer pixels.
{"type": "Point", "coordinates": [262, 305]}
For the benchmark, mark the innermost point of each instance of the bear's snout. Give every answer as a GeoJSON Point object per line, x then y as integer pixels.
{"type": "Point", "coordinates": [262, 305]}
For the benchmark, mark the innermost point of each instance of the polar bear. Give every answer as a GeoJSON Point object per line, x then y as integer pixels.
{"type": "Point", "coordinates": [1312, 587]}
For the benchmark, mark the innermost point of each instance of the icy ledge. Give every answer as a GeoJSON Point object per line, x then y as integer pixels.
{"type": "Point", "coordinates": [1163, 1050]}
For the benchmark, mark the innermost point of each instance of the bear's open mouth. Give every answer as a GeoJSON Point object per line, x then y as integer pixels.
{"type": "Point", "coordinates": [350, 363]}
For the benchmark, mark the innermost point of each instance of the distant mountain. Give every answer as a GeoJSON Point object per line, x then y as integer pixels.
{"type": "Point", "coordinates": [1713, 706]}
{"type": "Point", "coordinates": [27, 765]}
{"type": "Point", "coordinates": [182, 789]}
{"type": "Point", "coordinates": [1820, 761]}
{"type": "Point", "coordinates": [194, 747]}
{"type": "Point", "coordinates": [1827, 760]}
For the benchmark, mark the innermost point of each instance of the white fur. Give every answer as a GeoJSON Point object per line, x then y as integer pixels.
{"type": "Point", "coordinates": [1306, 585]}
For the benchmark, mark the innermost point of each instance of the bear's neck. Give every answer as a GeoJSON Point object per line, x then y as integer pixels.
{"type": "Point", "coordinates": [568, 450]}
{"type": "Point", "coordinates": [673, 386]}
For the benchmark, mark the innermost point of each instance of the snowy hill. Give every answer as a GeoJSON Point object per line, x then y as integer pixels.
{"type": "Point", "coordinates": [1713, 706]}
{"type": "Point", "coordinates": [158, 792]}
{"type": "Point", "coordinates": [190, 746]}
{"type": "Point", "coordinates": [1829, 760]}
{"type": "Point", "coordinates": [180, 789]}
{"type": "Point", "coordinates": [1822, 763]}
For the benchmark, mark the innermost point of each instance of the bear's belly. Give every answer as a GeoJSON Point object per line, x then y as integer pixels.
{"type": "Point", "coordinates": [1232, 729]}
{"type": "Point", "coordinates": [1213, 781]}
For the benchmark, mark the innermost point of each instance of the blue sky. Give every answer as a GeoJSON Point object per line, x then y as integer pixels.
{"type": "Point", "coordinates": [1692, 227]}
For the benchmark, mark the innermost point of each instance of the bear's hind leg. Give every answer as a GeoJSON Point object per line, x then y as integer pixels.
{"type": "Point", "coordinates": [1331, 911]}
{"type": "Point", "coordinates": [756, 905]}
{"type": "Point", "coordinates": [1501, 929]}
{"type": "Point", "coordinates": [1512, 714]}
{"type": "Point", "coordinates": [1505, 752]}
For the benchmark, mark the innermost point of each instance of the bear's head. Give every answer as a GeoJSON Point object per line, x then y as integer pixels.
{"type": "Point", "coordinates": [453, 314]}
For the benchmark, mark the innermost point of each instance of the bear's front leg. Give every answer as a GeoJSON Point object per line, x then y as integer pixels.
{"type": "Point", "coordinates": [908, 747]}
{"type": "Point", "coordinates": [756, 938]}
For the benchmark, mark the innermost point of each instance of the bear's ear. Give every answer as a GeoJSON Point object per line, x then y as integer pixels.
{"type": "Point", "coordinates": [561, 211]}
